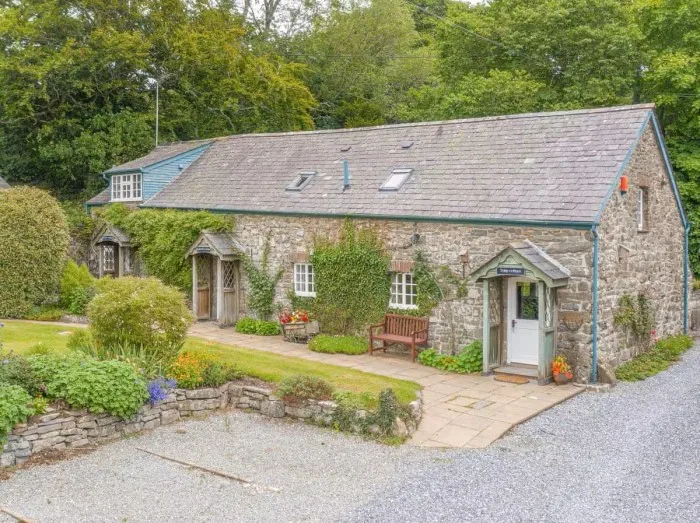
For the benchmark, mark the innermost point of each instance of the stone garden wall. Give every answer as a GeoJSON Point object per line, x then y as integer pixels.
{"type": "Point", "coordinates": [61, 429]}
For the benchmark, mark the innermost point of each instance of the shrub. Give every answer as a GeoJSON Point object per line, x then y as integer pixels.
{"type": "Point", "coordinates": [163, 237]}
{"type": "Point", "coordinates": [262, 284]}
{"type": "Point", "coordinates": [15, 407]}
{"type": "Point", "coordinates": [352, 280]}
{"type": "Point", "coordinates": [44, 313]}
{"type": "Point", "coordinates": [258, 327]}
{"type": "Point", "coordinates": [143, 359]}
{"type": "Point", "coordinates": [33, 247]}
{"type": "Point", "coordinates": [141, 312]}
{"type": "Point", "coordinates": [100, 386]}
{"type": "Point", "coordinates": [77, 287]}
{"type": "Point", "coordinates": [388, 410]}
{"type": "Point", "coordinates": [193, 369]}
{"type": "Point", "coordinates": [16, 370]}
{"type": "Point", "coordinates": [80, 340]}
{"type": "Point", "coordinates": [657, 359]}
{"type": "Point", "coordinates": [39, 348]}
{"type": "Point", "coordinates": [338, 344]}
{"type": "Point", "coordinates": [468, 360]}
{"type": "Point", "coordinates": [301, 387]}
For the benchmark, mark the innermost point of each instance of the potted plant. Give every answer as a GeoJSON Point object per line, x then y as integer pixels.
{"type": "Point", "coordinates": [561, 370]}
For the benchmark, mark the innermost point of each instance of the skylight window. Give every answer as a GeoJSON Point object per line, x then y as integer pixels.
{"type": "Point", "coordinates": [300, 181]}
{"type": "Point", "coordinates": [396, 179]}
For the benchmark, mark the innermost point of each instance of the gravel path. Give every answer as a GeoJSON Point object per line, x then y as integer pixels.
{"type": "Point", "coordinates": [632, 455]}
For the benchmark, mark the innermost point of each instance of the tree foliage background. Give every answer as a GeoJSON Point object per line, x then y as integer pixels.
{"type": "Point", "coordinates": [78, 76]}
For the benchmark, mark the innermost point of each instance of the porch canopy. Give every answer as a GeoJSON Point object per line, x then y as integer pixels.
{"type": "Point", "coordinates": [216, 276]}
{"type": "Point", "coordinates": [111, 234]}
{"type": "Point", "coordinates": [526, 261]}
{"type": "Point", "coordinates": [111, 250]}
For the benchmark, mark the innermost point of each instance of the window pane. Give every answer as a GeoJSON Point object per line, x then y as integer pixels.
{"type": "Point", "coordinates": [527, 306]}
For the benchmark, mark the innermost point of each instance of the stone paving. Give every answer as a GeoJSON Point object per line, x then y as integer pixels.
{"type": "Point", "coordinates": [469, 411]}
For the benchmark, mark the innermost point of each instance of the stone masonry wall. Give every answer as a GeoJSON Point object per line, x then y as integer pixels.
{"type": "Point", "coordinates": [61, 429]}
{"type": "Point", "coordinates": [632, 261]}
{"type": "Point", "coordinates": [456, 323]}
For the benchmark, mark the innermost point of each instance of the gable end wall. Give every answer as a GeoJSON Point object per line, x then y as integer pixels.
{"type": "Point", "coordinates": [633, 262]}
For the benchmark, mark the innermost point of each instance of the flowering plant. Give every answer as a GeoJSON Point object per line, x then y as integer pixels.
{"type": "Point", "coordinates": [158, 389]}
{"type": "Point", "coordinates": [300, 316]}
{"type": "Point", "coordinates": [561, 366]}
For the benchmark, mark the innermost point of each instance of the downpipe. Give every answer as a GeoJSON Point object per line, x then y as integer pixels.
{"type": "Point", "coordinates": [594, 334]}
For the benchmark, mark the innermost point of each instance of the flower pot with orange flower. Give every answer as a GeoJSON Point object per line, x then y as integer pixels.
{"type": "Point", "coordinates": [561, 370]}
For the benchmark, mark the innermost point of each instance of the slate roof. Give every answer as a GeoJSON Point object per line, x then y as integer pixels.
{"type": "Point", "coordinates": [113, 234]}
{"type": "Point", "coordinates": [160, 153]}
{"type": "Point", "coordinates": [540, 167]}
{"type": "Point", "coordinates": [100, 198]}
{"type": "Point", "coordinates": [4, 184]}
{"type": "Point", "coordinates": [541, 260]}
{"type": "Point", "coordinates": [224, 243]}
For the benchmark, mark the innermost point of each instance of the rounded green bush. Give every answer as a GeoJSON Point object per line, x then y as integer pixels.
{"type": "Point", "coordinates": [257, 327]}
{"type": "Point", "coordinates": [14, 408]}
{"type": "Point", "coordinates": [34, 241]}
{"type": "Point", "coordinates": [139, 311]}
{"type": "Point", "coordinates": [77, 287]}
{"type": "Point", "coordinates": [339, 344]}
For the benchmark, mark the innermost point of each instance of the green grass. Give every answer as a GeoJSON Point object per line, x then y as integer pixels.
{"type": "Point", "coordinates": [20, 336]}
{"type": "Point", "coordinates": [352, 345]}
{"type": "Point", "coordinates": [657, 359]}
{"type": "Point", "coordinates": [274, 368]}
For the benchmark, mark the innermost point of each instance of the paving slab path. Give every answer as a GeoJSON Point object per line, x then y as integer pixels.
{"type": "Point", "coordinates": [469, 411]}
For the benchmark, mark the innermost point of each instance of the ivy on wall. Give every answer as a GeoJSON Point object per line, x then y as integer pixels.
{"type": "Point", "coordinates": [435, 286]}
{"type": "Point", "coordinates": [636, 314]}
{"type": "Point", "coordinates": [163, 237]}
{"type": "Point", "coordinates": [262, 284]}
{"type": "Point", "coordinates": [352, 280]}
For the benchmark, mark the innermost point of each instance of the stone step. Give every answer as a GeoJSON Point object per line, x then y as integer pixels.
{"type": "Point", "coordinates": [527, 371]}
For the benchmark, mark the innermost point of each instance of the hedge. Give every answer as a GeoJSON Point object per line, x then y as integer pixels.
{"type": "Point", "coordinates": [34, 242]}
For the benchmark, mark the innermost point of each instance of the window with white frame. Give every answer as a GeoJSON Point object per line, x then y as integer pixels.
{"type": "Point", "coordinates": [643, 209]}
{"type": "Point", "coordinates": [126, 187]}
{"type": "Point", "coordinates": [403, 291]}
{"type": "Point", "coordinates": [304, 279]}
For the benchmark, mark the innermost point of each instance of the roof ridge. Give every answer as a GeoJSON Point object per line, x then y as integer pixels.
{"type": "Point", "coordinates": [517, 116]}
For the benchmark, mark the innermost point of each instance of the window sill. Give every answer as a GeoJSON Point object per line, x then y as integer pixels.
{"type": "Point", "coordinates": [131, 200]}
{"type": "Point", "coordinates": [403, 307]}
{"type": "Point", "coordinates": [305, 294]}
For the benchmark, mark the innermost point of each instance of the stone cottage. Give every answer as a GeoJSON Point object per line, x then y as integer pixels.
{"type": "Point", "coordinates": [552, 217]}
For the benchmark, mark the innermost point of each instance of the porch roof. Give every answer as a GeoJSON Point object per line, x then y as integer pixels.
{"type": "Point", "coordinates": [524, 259]}
{"type": "Point", "coordinates": [221, 243]}
{"type": "Point", "coordinates": [112, 234]}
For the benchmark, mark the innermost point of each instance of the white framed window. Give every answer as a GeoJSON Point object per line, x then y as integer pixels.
{"type": "Point", "coordinates": [304, 279]}
{"type": "Point", "coordinates": [126, 187]}
{"type": "Point", "coordinates": [403, 291]}
{"type": "Point", "coordinates": [643, 209]}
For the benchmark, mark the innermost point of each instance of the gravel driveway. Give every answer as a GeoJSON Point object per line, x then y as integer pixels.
{"type": "Point", "coordinates": [632, 455]}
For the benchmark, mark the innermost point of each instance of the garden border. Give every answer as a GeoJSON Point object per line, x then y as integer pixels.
{"type": "Point", "coordinates": [62, 429]}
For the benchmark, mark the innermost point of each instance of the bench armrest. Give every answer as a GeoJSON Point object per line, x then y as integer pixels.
{"type": "Point", "coordinates": [372, 327]}
{"type": "Point", "coordinates": [415, 334]}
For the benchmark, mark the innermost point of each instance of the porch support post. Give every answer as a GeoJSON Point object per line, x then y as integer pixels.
{"type": "Point", "coordinates": [486, 326]}
{"type": "Point", "coordinates": [219, 291]}
{"type": "Point", "coordinates": [541, 359]}
{"type": "Point", "coordinates": [194, 286]}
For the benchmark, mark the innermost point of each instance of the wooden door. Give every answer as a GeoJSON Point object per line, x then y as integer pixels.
{"type": "Point", "coordinates": [110, 260]}
{"type": "Point", "coordinates": [204, 287]}
{"type": "Point", "coordinates": [230, 279]}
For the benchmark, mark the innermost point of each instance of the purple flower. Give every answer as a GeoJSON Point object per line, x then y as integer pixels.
{"type": "Point", "coordinates": [158, 389]}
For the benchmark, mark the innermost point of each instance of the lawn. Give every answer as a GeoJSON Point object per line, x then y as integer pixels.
{"type": "Point", "coordinates": [20, 336]}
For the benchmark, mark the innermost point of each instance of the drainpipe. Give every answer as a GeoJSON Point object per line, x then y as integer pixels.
{"type": "Point", "coordinates": [685, 278]}
{"type": "Point", "coordinates": [594, 370]}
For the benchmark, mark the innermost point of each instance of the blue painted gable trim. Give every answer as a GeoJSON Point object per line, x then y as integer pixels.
{"type": "Point", "coordinates": [157, 175]}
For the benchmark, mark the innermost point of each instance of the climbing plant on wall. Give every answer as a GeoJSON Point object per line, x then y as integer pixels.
{"type": "Point", "coordinates": [352, 280]}
{"type": "Point", "coordinates": [636, 314]}
{"type": "Point", "coordinates": [163, 237]}
{"type": "Point", "coordinates": [262, 283]}
{"type": "Point", "coordinates": [435, 284]}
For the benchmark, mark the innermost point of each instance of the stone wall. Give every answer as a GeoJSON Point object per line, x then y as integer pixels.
{"type": "Point", "coordinates": [455, 323]}
{"type": "Point", "coordinates": [633, 262]}
{"type": "Point", "coordinates": [61, 429]}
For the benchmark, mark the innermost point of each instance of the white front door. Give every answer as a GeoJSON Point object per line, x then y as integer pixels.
{"type": "Point", "coordinates": [523, 324]}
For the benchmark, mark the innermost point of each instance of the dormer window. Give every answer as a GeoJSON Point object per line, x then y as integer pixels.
{"type": "Point", "coordinates": [126, 187]}
{"type": "Point", "coordinates": [300, 181]}
{"type": "Point", "coordinates": [396, 179]}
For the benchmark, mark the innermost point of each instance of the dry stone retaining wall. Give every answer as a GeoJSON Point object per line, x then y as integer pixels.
{"type": "Point", "coordinates": [62, 429]}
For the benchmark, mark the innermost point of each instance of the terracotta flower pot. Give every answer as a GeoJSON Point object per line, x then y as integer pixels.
{"type": "Point", "coordinates": [560, 378]}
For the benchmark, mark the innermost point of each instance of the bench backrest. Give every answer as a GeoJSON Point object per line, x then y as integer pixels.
{"type": "Point", "coordinates": [402, 325]}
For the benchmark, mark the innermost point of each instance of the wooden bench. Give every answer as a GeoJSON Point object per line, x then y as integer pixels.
{"type": "Point", "coordinates": [397, 328]}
